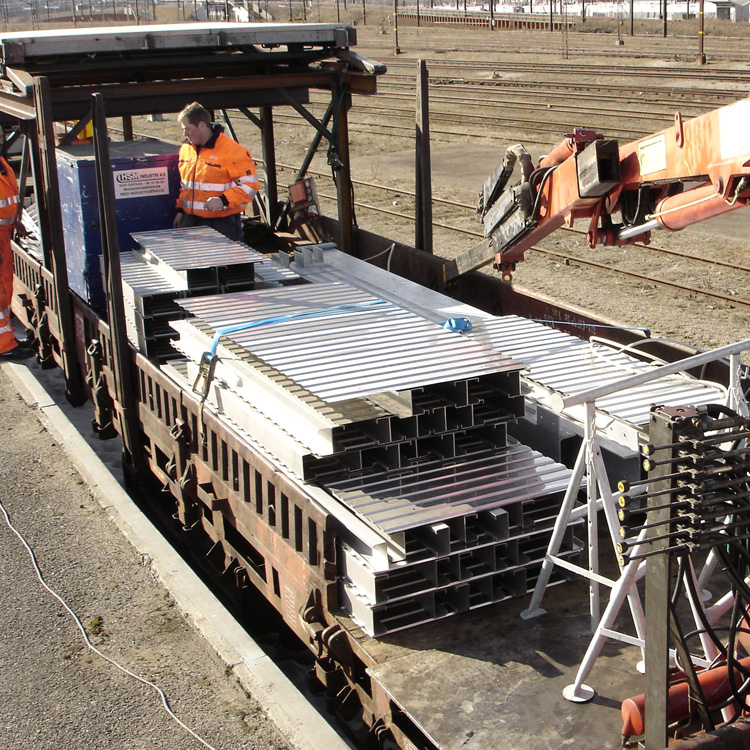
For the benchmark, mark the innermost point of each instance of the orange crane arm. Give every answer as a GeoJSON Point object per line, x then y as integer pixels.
{"type": "Point", "coordinates": [692, 171]}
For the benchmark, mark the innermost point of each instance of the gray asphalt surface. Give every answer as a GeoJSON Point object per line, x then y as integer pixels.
{"type": "Point", "coordinates": [54, 692]}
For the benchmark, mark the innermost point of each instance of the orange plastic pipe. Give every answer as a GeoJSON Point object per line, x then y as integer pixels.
{"type": "Point", "coordinates": [714, 684]}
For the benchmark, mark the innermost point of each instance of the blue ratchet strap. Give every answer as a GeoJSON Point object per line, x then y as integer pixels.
{"type": "Point", "coordinates": [459, 325]}
{"type": "Point", "coordinates": [208, 359]}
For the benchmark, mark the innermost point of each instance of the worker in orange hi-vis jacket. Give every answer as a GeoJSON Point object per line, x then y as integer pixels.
{"type": "Point", "coordinates": [10, 349]}
{"type": "Point", "coordinates": [218, 175]}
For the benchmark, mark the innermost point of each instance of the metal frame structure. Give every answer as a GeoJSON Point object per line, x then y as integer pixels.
{"type": "Point", "coordinates": [55, 76]}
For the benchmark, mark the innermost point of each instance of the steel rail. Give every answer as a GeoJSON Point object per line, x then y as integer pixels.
{"type": "Point", "coordinates": [723, 48]}
{"type": "Point", "coordinates": [506, 104]}
{"type": "Point", "coordinates": [448, 202]}
{"type": "Point", "coordinates": [404, 131]}
{"type": "Point", "coordinates": [570, 258]}
{"type": "Point", "coordinates": [677, 253]}
{"type": "Point", "coordinates": [561, 68]}
{"type": "Point", "coordinates": [665, 54]}
{"type": "Point", "coordinates": [487, 121]}
{"type": "Point", "coordinates": [660, 96]}
{"type": "Point", "coordinates": [643, 277]}
{"type": "Point", "coordinates": [502, 98]}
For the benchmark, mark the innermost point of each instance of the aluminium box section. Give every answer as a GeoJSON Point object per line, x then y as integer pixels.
{"type": "Point", "coordinates": [203, 259]}
{"type": "Point", "coordinates": [340, 343]}
{"type": "Point", "coordinates": [556, 362]}
{"type": "Point", "coordinates": [241, 380]}
{"type": "Point", "coordinates": [146, 183]}
{"type": "Point", "coordinates": [149, 305]}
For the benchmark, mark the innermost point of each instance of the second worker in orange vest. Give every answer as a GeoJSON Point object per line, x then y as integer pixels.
{"type": "Point", "coordinates": [218, 175]}
{"type": "Point", "coordinates": [9, 215]}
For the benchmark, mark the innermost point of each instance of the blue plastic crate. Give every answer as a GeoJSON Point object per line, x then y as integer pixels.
{"type": "Point", "coordinates": [146, 182]}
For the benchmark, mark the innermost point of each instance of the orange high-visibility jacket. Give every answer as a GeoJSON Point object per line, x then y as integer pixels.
{"type": "Point", "coordinates": [220, 168]}
{"type": "Point", "coordinates": [9, 201]}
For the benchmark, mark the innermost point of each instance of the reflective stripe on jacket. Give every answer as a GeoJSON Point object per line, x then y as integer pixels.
{"type": "Point", "coordinates": [8, 195]}
{"type": "Point", "coordinates": [221, 168]}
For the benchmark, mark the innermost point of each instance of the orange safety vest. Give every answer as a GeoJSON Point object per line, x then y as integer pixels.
{"type": "Point", "coordinates": [220, 168]}
{"type": "Point", "coordinates": [8, 214]}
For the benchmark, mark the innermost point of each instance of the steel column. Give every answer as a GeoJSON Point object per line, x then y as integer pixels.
{"type": "Point", "coordinates": [423, 166]}
{"type": "Point", "coordinates": [120, 350]}
{"type": "Point", "coordinates": [47, 193]}
{"type": "Point", "coordinates": [658, 576]}
{"type": "Point", "coordinates": [343, 176]}
{"type": "Point", "coordinates": [269, 161]}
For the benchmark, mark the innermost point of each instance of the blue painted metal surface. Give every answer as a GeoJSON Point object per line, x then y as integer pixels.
{"type": "Point", "coordinates": [146, 187]}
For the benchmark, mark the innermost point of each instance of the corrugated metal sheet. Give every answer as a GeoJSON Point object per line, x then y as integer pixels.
{"type": "Point", "coordinates": [564, 363]}
{"type": "Point", "coordinates": [142, 278]}
{"type": "Point", "coordinates": [436, 491]}
{"type": "Point", "coordinates": [195, 247]}
{"type": "Point", "coordinates": [339, 342]}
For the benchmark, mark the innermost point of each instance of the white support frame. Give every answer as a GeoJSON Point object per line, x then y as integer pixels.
{"type": "Point", "coordinates": [599, 496]}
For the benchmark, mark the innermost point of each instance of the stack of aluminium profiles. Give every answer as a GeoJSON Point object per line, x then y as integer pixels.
{"type": "Point", "coordinates": [174, 263]}
{"type": "Point", "coordinates": [398, 425]}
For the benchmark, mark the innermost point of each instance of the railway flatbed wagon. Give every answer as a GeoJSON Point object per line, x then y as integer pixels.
{"type": "Point", "coordinates": [405, 468]}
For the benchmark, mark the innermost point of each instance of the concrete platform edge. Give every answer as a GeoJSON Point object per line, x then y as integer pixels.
{"type": "Point", "coordinates": [299, 723]}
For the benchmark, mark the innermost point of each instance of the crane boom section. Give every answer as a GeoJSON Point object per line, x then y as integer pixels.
{"type": "Point", "coordinates": [694, 170]}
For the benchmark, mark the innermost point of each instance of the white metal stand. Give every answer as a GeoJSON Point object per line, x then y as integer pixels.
{"type": "Point", "coordinates": [624, 588]}
{"type": "Point", "coordinates": [598, 495]}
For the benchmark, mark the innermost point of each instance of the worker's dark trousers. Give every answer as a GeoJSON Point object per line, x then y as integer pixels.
{"type": "Point", "coordinates": [230, 226]}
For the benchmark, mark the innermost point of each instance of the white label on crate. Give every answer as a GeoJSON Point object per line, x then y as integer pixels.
{"type": "Point", "coordinates": [137, 183]}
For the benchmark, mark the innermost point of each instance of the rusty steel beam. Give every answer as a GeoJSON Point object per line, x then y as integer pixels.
{"type": "Point", "coordinates": [48, 193]}
{"type": "Point", "coordinates": [135, 99]}
{"type": "Point", "coordinates": [344, 198]}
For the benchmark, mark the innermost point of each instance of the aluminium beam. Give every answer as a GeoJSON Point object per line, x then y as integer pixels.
{"type": "Point", "coordinates": [294, 415]}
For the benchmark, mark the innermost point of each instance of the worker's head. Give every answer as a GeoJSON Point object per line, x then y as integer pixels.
{"type": "Point", "coordinates": [196, 123]}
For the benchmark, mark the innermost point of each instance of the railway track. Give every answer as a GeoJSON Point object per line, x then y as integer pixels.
{"type": "Point", "coordinates": [492, 106]}
{"type": "Point", "coordinates": [541, 134]}
{"type": "Point", "coordinates": [653, 95]}
{"type": "Point", "coordinates": [571, 71]}
{"type": "Point", "coordinates": [673, 48]}
{"type": "Point", "coordinates": [738, 273]}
